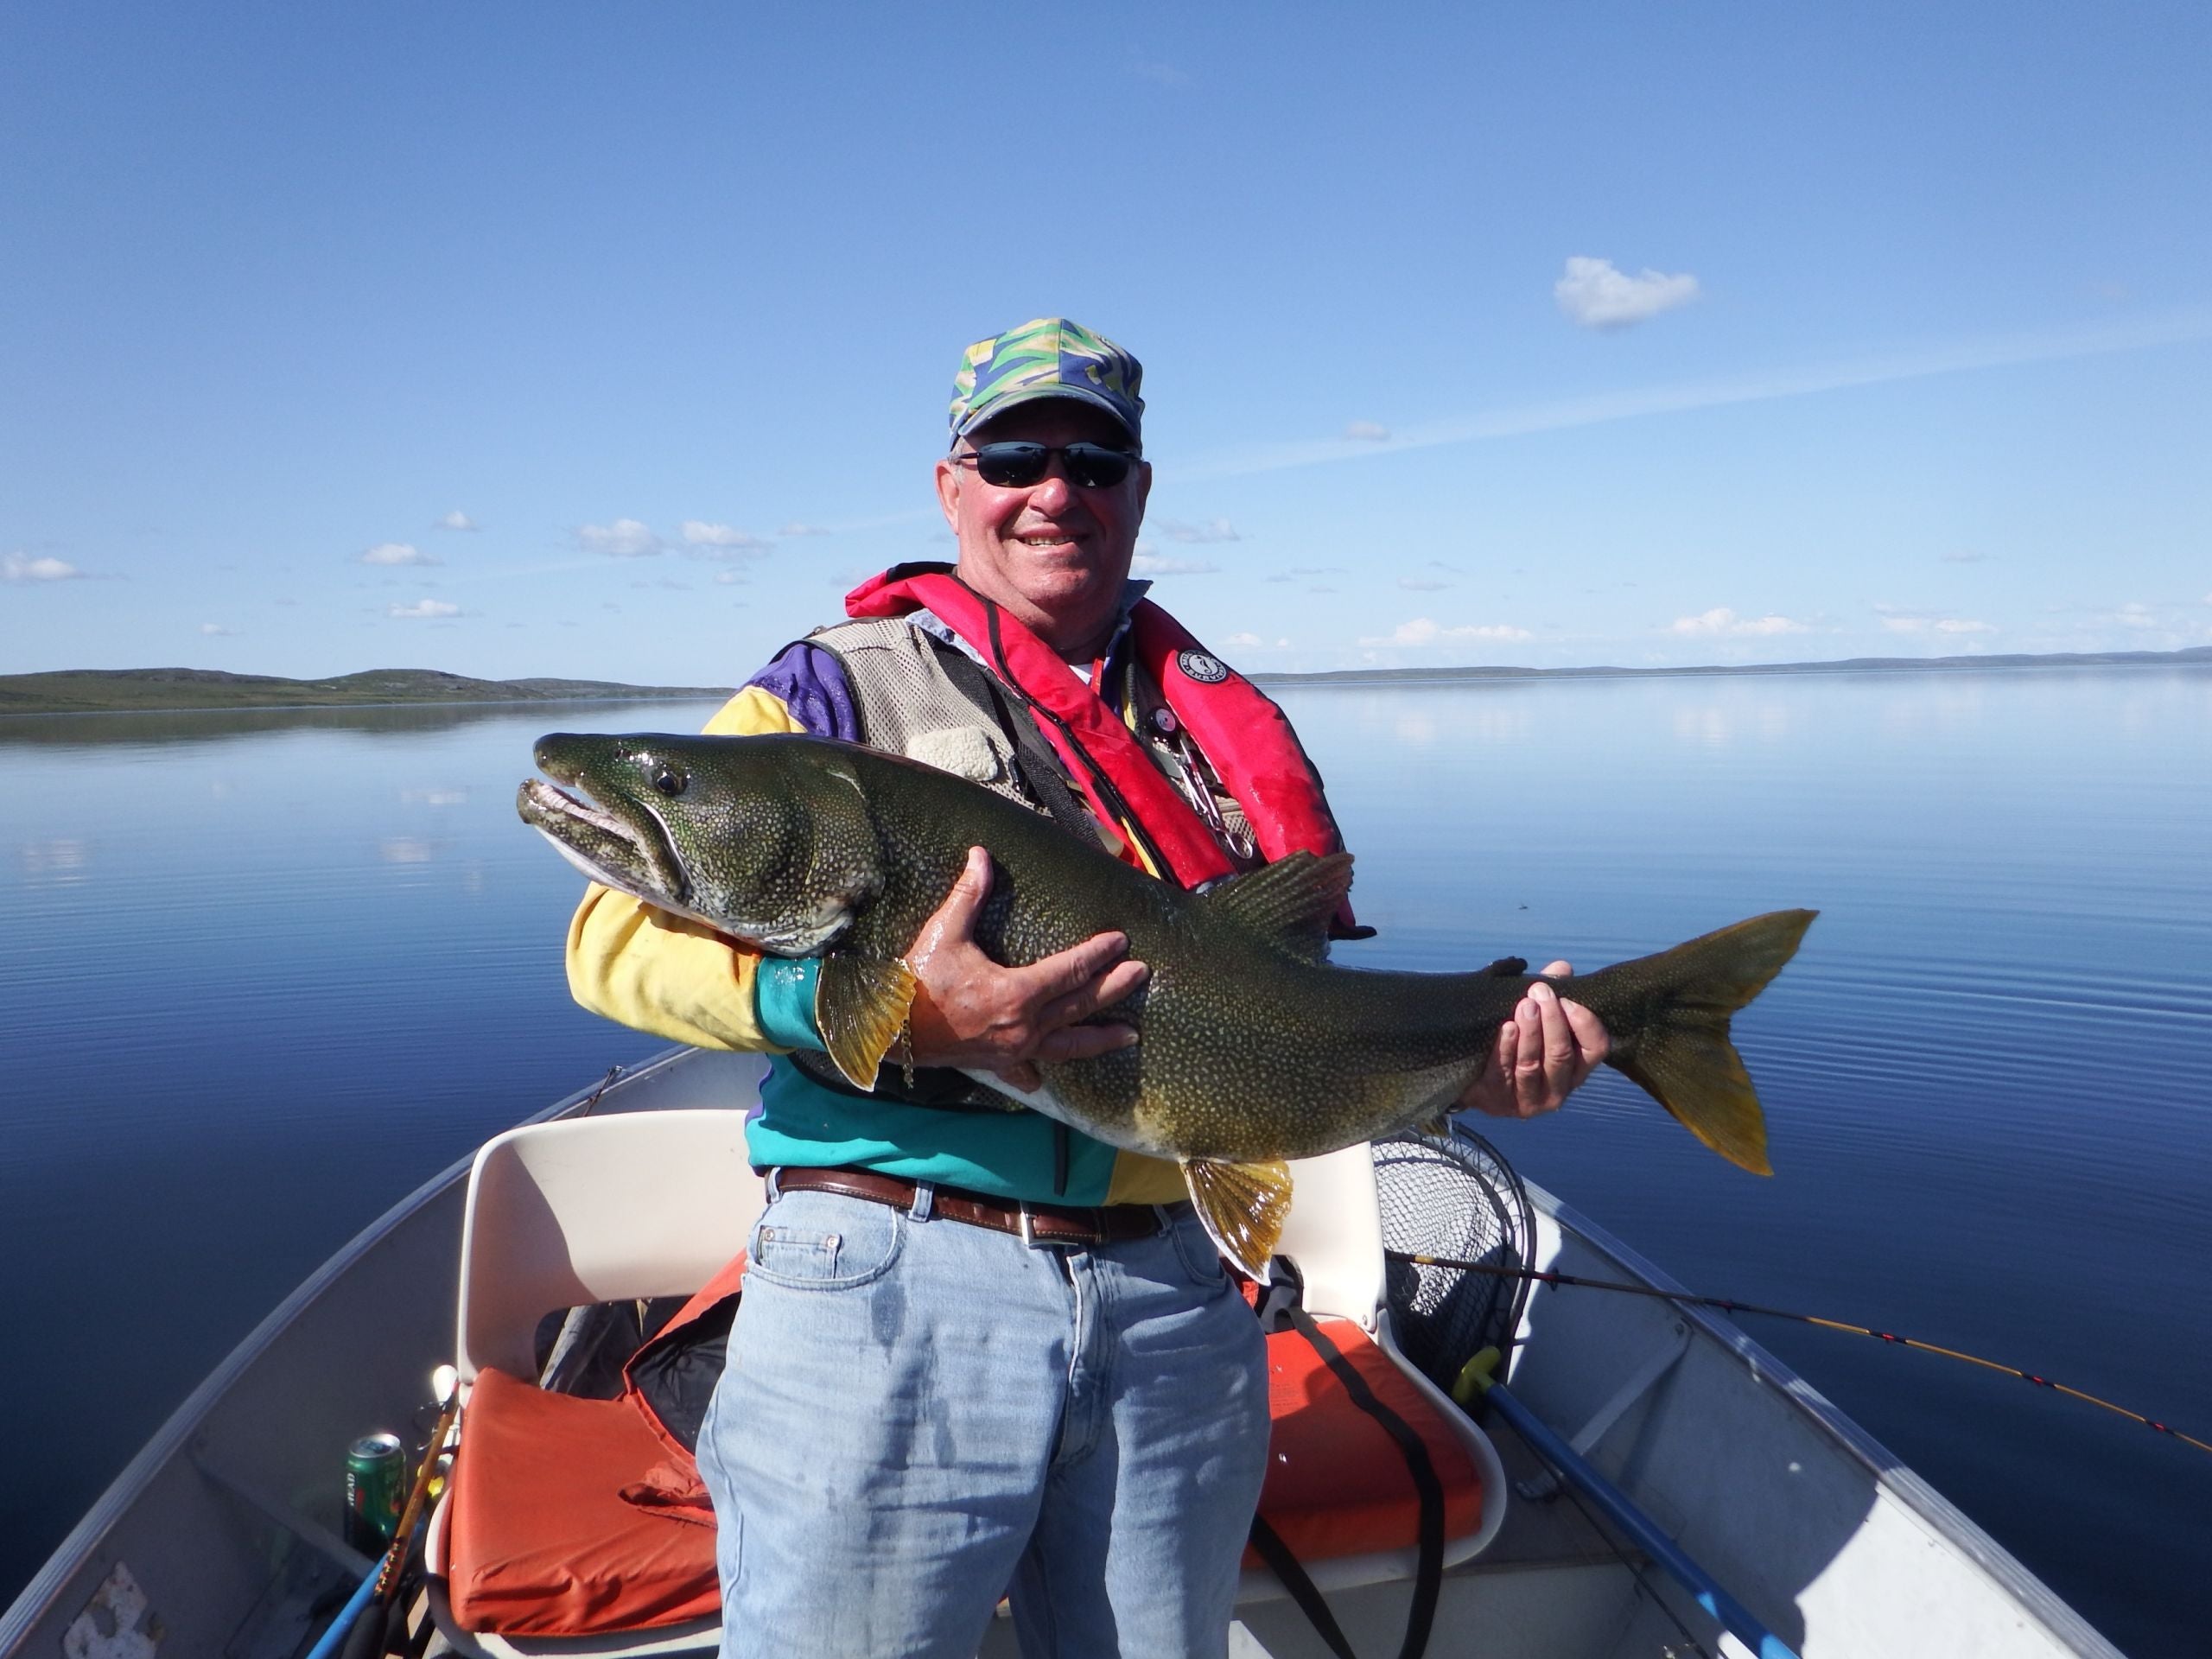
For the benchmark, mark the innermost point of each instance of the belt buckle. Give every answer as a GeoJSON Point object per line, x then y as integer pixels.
{"type": "Point", "coordinates": [1025, 1223]}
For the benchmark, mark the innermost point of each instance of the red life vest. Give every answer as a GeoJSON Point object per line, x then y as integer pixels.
{"type": "Point", "coordinates": [1243, 734]}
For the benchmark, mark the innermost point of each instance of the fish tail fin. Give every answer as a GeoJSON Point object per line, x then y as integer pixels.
{"type": "Point", "coordinates": [1674, 1045]}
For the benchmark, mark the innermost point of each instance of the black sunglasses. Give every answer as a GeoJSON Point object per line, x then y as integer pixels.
{"type": "Point", "coordinates": [1017, 465]}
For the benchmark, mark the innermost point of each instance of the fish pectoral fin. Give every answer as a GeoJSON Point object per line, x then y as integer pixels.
{"type": "Point", "coordinates": [1243, 1206]}
{"type": "Point", "coordinates": [859, 1006]}
{"type": "Point", "coordinates": [1289, 903]}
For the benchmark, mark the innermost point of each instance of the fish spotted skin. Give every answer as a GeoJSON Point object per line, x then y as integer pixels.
{"type": "Point", "coordinates": [1252, 1048]}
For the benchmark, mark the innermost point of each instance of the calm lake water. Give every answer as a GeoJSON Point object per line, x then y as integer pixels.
{"type": "Point", "coordinates": [260, 975]}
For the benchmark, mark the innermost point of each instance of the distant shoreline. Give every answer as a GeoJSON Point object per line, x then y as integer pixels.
{"type": "Point", "coordinates": [2195, 655]}
{"type": "Point", "coordinates": [180, 690]}
{"type": "Point", "coordinates": [183, 690]}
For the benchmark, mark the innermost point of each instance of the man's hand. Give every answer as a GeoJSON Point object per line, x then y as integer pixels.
{"type": "Point", "coordinates": [970, 1011]}
{"type": "Point", "coordinates": [1543, 1053]}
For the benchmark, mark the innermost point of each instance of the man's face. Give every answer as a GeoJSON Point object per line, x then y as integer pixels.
{"type": "Point", "coordinates": [1053, 554]}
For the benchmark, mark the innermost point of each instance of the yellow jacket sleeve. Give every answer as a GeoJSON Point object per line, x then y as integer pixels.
{"type": "Point", "coordinates": [663, 973]}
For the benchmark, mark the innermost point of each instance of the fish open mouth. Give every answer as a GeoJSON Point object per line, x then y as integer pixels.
{"type": "Point", "coordinates": [629, 852]}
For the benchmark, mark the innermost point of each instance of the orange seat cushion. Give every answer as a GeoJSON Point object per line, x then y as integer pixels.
{"type": "Point", "coordinates": [571, 1517]}
{"type": "Point", "coordinates": [1337, 1482]}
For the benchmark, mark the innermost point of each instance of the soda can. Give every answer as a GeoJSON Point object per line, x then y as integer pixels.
{"type": "Point", "coordinates": [376, 1489]}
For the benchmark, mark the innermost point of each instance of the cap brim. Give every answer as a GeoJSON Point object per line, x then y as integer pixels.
{"type": "Point", "coordinates": [992, 410]}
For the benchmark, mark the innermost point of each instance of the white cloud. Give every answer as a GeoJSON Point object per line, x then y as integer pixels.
{"type": "Point", "coordinates": [18, 567]}
{"type": "Point", "coordinates": [1214, 530]}
{"type": "Point", "coordinates": [1897, 621]}
{"type": "Point", "coordinates": [1722, 621]}
{"type": "Point", "coordinates": [1368, 431]}
{"type": "Point", "coordinates": [1421, 631]}
{"type": "Point", "coordinates": [424, 610]}
{"type": "Point", "coordinates": [720, 541]}
{"type": "Point", "coordinates": [2136, 615]}
{"type": "Point", "coordinates": [729, 577]}
{"type": "Point", "coordinates": [1596, 295]}
{"type": "Point", "coordinates": [626, 538]}
{"type": "Point", "coordinates": [1156, 564]}
{"type": "Point", "coordinates": [458, 520]}
{"type": "Point", "coordinates": [213, 628]}
{"type": "Point", "coordinates": [1422, 584]}
{"type": "Point", "coordinates": [1243, 639]}
{"type": "Point", "coordinates": [397, 553]}
{"type": "Point", "coordinates": [796, 528]}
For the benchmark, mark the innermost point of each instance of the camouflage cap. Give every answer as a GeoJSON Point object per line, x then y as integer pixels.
{"type": "Point", "coordinates": [1048, 357]}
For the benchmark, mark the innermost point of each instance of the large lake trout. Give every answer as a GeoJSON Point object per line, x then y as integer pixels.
{"type": "Point", "coordinates": [1252, 1048]}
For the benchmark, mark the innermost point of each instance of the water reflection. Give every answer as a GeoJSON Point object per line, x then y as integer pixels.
{"type": "Point", "coordinates": [1725, 722]}
{"type": "Point", "coordinates": [208, 726]}
{"type": "Point", "coordinates": [57, 862]}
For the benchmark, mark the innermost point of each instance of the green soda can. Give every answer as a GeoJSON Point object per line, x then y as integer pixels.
{"type": "Point", "coordinates": [376, 1488]}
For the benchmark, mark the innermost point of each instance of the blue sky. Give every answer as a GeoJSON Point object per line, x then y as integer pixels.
{"type": "Point", "coordinates": [613, 340]}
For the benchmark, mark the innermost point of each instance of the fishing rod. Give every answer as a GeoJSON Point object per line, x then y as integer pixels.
{"type": "Point", "coordinates": [1728, 1305]}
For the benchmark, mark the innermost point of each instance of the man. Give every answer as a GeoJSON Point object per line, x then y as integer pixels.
{"type": "Point", "coordinates": [979, 1352]}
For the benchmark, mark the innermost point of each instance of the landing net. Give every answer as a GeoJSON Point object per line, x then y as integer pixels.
{"type": "Point", "coordinates": [1457, 1195]}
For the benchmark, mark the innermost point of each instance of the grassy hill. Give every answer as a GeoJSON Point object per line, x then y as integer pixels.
{"type": "Point", "coordinates": [95, 691]}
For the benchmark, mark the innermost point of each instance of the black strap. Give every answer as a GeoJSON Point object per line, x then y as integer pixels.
{"type": "Point", "coordinates": [1303, 1590]}
{"type": "Point", "coordinates": [1428, 1569]}
{"type": "Point", "coordinates": [1038, 766]}
{"type": "Point", "coordinates": [1130, 824]}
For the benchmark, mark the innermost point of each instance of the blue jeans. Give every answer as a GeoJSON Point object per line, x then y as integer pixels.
{"type": "Point", "coordinates": [920, 1416]}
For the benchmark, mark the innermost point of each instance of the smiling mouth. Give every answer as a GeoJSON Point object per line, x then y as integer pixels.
{"type": "Point", "coordinates": [1048, 540]}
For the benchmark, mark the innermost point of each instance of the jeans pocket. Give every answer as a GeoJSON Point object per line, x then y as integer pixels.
{"type": "Point", "coordinates": [1195, 1248]}
{"type": "Point", "coordinates": [819, 1241]}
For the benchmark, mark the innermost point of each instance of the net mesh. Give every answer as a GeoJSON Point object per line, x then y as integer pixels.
{"type": "Point", "coordinates": [1452, 1196]}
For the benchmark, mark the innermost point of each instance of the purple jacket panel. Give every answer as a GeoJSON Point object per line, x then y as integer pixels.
{"type": "Point", "coordinates": [811, 684]}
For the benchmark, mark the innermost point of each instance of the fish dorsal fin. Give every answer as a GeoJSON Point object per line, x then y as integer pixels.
{"type": "Point", "coordinates": [1243, 1206]}
{"type": "Point", "coordinates": [860, 1004]}
{"type": "Point", "coordinates": [1288, 903]}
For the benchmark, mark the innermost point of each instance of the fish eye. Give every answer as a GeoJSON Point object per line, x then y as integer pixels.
{"type": "Point", "coordinates": [669, 780]}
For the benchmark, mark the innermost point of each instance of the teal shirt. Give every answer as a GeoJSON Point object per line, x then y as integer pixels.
{"type": "Point", "coordinates": [1006, 1154]}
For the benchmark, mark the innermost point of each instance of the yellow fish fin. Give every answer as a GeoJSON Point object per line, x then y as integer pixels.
{"type": "Point", "coordinates": [1243, 1206]}
{"type": "Point", "coordinates": [859, 1006]}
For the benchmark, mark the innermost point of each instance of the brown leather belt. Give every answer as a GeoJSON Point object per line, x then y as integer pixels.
{"type": "Point", "coordinates": [1041, 1224]}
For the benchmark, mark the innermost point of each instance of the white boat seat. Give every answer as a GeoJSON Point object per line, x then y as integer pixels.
{"type": "Point", "coordinates": [596, 1210]}
{"type": "Point", "coordinates": [582, 1211]}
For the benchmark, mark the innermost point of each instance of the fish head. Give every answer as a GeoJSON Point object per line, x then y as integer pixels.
{"type": "Point", "coordinates": [760, 838]}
